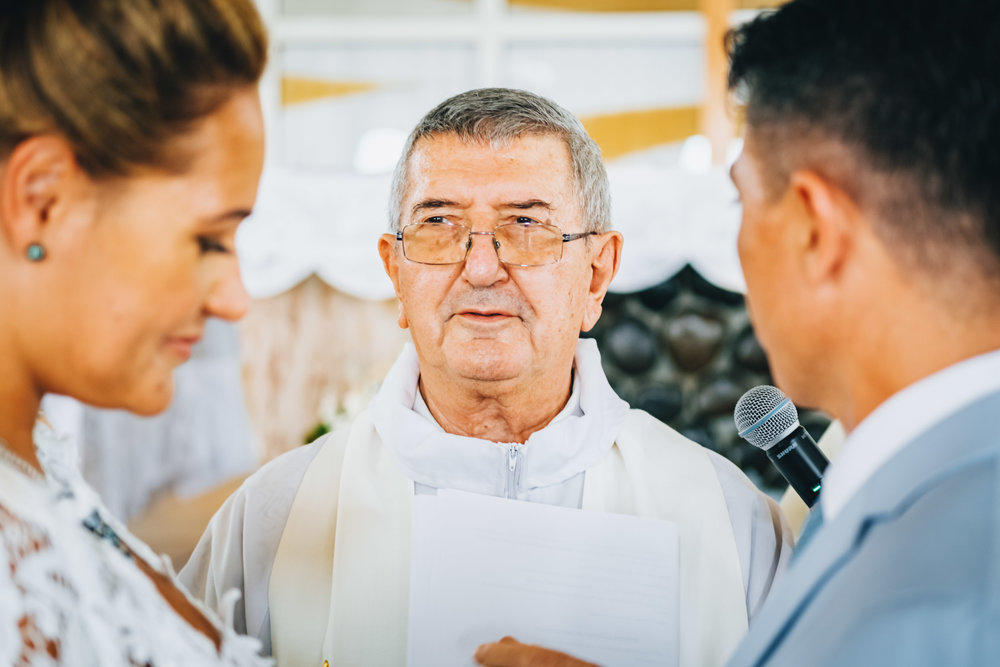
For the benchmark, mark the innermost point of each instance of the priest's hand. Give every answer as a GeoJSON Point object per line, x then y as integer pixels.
{"type": "Point", "coordinates": [508, 652]}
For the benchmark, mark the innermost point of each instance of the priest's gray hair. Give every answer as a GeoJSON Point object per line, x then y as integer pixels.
{"type": "Point", "coordinates": [498, 116]}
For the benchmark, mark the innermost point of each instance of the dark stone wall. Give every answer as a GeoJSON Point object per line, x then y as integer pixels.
{"type": "Point", "coordinates": [685, 352]}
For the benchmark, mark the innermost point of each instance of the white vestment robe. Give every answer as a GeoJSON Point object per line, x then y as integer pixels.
{"type": "Point", "coordinates": [318, 540]}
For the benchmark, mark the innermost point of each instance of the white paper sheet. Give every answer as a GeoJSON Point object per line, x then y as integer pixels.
{"type": "Point", "coordinates": [603, 587]}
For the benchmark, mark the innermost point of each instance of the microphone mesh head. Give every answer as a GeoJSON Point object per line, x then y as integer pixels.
{"type": "Point", "coordinates": [764, 416]}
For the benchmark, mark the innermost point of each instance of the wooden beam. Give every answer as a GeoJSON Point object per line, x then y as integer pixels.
{"type": "Point", "coordinates": [715, 121]}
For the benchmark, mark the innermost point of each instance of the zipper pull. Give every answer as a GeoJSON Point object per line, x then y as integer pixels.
{"type": "Point", "coordinates": [512, 458]}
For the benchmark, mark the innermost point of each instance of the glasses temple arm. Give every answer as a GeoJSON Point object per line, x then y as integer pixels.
{"type": "Point", "coordinates": [579, 235]}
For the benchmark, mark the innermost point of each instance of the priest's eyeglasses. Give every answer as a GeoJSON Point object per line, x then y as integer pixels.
{"type": "Point", "coordinates": [516, 243]}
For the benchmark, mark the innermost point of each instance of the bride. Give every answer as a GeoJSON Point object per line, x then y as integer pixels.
{"type": "Point", "coordinates": [130, 149]}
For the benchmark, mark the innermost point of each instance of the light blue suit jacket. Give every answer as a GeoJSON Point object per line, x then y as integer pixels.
{"type": "Point", "coordinates": [908, 574]}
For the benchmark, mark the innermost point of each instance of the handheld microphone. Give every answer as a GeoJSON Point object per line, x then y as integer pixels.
{"type": "Point", "coordinates": [768, 420]}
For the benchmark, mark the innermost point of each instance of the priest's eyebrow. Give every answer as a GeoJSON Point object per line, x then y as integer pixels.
{"type": "Point", "coordinates": [529, 204]}
{"type": "Point", "coordinates": [432, 204]}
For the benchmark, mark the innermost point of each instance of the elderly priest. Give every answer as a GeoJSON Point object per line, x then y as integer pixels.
{"type": "Point", "coordinates": [501, 255]}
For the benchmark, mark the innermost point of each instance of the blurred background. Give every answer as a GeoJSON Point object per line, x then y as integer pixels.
{"type": "Point", "coordinates": [347, 81]}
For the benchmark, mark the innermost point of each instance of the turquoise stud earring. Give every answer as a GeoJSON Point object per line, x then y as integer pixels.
{"type": "Point", "coordinates": [36, 252]}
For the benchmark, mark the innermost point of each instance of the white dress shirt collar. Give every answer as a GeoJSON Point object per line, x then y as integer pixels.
{"type": "Point", "coordinates": [901, 418]}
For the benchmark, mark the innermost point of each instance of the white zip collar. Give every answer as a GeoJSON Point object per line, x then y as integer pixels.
{"type": "Point", "coordinates": [576, 439]}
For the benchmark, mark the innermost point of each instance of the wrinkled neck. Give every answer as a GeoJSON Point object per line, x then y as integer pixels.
{"type": "Point", "coordinates": [504, 416]}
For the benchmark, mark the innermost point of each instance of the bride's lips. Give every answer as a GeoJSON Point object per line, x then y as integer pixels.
{"type": "Point", "coordinates": [181, 345]}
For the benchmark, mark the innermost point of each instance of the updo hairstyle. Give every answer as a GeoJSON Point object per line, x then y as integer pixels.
{"type": "Point", "coordinates": [119, 79]}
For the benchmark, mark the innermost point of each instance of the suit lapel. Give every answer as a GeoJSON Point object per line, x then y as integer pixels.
{"type": "Point", "coordinates": [964, 439]}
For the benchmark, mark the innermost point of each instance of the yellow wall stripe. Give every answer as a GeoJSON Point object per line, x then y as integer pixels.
{"type": "Point", "coordinates": [611, 5]}
{"type": "Point", "coordinates": [636, 5]}
{"type": "Point", "coordinates": [759, 4]}
{"type": "Point", "coordinates": [296, 89]}
{"type": "Point", "coordinates": [622, 133]}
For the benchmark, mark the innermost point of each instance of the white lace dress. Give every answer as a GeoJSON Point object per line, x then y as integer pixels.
{"type": "Point", "coordinates": [68, 597]}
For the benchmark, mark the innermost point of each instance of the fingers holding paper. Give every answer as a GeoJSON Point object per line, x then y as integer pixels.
{"type": "Point", "coordinates": [508, 652]}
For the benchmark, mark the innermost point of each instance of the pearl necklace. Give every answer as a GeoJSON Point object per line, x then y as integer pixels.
{"type": "Point", "coordinates": [19, 463]}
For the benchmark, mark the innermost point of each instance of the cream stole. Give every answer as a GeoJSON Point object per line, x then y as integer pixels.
{"type": "Point", "coordinates": [355, 614]}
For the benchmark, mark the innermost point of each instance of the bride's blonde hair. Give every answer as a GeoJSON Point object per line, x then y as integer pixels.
{"type": "Point", "coordinates": [119, 78]}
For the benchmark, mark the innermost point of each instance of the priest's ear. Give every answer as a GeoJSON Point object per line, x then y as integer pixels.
{"type": "Point", "coordinates": [605, 260]}
{"type": "Point", "coordinates": [38, 185]}
{"type": "Point", "coordinates": [388, 250]}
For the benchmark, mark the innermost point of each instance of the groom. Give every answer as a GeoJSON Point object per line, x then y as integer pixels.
{"type": "Point", "coordinates": [871, 246]}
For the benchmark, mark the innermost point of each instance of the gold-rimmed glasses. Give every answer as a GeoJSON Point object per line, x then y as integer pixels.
{"type": "Point", "coordinates": [516, 243]}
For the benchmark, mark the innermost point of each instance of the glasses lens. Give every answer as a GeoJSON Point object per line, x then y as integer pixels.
{"type": "Point", "coordinates": [435, 243]}
{"type": "Point", "coordinates": [532, 244]}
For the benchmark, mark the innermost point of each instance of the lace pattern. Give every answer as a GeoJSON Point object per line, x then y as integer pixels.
{"type": "Point", "coordinates": [69, 598]}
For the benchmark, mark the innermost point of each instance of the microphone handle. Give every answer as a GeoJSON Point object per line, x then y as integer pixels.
{"type": "Point", "coordinates": [800, 461]}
